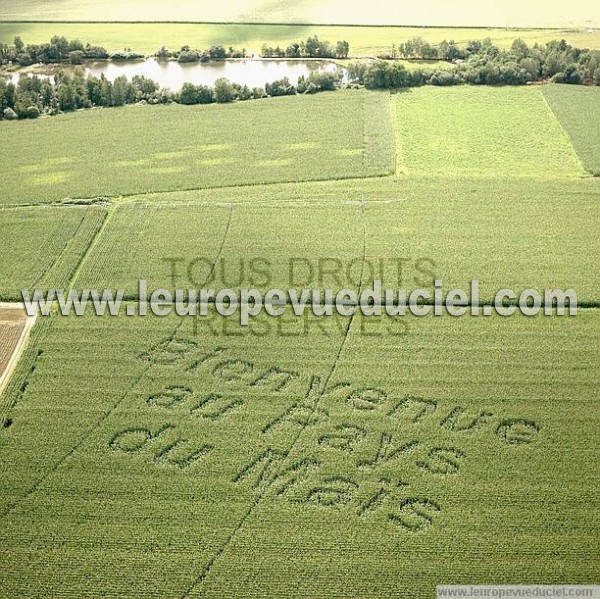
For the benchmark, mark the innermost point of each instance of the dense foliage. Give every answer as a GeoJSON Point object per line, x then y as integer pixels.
{"type": "Point", "coordinates": [187, 54]}
{"type": "Point", "coordinates": [483, 63]}
{"type": "Point", "coordinates": [479, 63]}
{"type": "Point", "coordinates": [313, 47]}
{"type": "Point", "coordinates": [59, 49]}
{"type": "Point", "coordinates": [34, 96]}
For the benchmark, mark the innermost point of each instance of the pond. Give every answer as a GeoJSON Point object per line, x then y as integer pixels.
{"type": "Point", "coordinates": [171, 74]}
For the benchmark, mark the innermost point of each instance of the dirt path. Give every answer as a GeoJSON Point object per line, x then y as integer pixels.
{"type": "Point", "coordinates": [13, 316]}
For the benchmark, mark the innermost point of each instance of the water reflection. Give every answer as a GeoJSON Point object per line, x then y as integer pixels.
{"type": "Point", "coordinates": [170, 74]}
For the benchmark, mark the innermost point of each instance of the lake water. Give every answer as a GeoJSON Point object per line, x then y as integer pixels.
{"type": "Point", "coordinates": [171, 74]}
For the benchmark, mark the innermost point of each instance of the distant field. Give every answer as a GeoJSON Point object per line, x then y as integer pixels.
{"type": "Point", "coordinates": [471, 13]}
{"type": "Point", "coordinates": [495, 132]}
{"type": "Point", "coordinates": [41, 247]}
{"type": "Point", "coordinates": [364, 41]}
{"type": "Point", "coordinates": [578, 110]}
{"type": "Point", "coordinates": [135, 444]}
{"type": "Point", "coordinates": [151, 148]}
{"type": "Point", "coordinates": [417, 230]}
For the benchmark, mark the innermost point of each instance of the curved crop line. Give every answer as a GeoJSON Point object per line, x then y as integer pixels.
{"type": "Point", "coordinates": [209, 565]}
{"type": "Point", "coordinates": [17, 502]}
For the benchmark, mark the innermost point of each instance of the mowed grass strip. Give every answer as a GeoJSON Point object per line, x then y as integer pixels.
{"type": "Point", "coordinates": [41, 247]}
{"type": "Point", "coordinates": [578, 110]}
{"type": "Point", "coordinates": [139, 149]}
{"type": "Point", "coordinates": [484, 131]}
{"type": "Point", "coordinates": [192, 450]}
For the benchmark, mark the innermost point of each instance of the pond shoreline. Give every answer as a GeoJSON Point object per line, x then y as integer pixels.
{"type": "Point", "coordinates": [169, 73]}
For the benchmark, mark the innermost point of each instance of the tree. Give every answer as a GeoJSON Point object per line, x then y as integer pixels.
{"type": "Point", "coordinates": [217, 53]}
{"type": "Point", "coordinates": [519, 48]}
{"type": "Point", "coordinates": [75, 45]}
{"type": "Point", "coordinates": [356, 71]}
{"type": "Point", "coordinates": [97, 52]}
{"type": "Point", "coordinates": [24, 59]}
{"type": "Point", "coordinates": [105, 91]}
{"type": "Point", "coordinates": [377, 76]}
{"type": "Point", "coordinates": [121, 91]}
{"type": "Point", "coordinates": [76, 57]}
{"type": "Point", "coordinates": [293, 51]}
{"type": "Point", "coordinates": [188, 56]}
{"type": "Point", "coordinates": [311, 46]}
{"type": "Point", "coordinates": [9, 97]}
{"type": "Point", "coordinates": [342, 49]}
{"type": "Point", "coordinates": [19, 45]}
{"type": "Point", "coordinates": [224, 91]}
{"type": "Point", "coordinates": [163, 53]}
{"type": "Point", "coordinates": [61, 44]}
{"type": "Point", "coordinates": [532, 66]}
{"type": "Point", "coordinates": [65, 95]}
{"type": "Point", "coordinates": [449, 51]}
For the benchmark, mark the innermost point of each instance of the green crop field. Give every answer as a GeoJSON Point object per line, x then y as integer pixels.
{"type": "Point", "coordinates": [300, 456]}
{"type": "Point", "coordinates": [42, 247]}
{"type": "Point", "coordinates": [329, 136]}
{"type": "Point", "coordinates": [499, 132]}
{"type": "Point", "coordinates": [405, 223]}
{"type": "Point", "coordinates": [224, 465]}
{"type": "Point", "coordinates": [578, 110]}
{"type": "Point", "coordinates": [364, 41]}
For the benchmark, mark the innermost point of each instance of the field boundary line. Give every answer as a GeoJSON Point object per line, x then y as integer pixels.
{"type": "Point", "coordinates": [397, 135]}
{"type": "Point", "coordinates": [209, 565]}
{"type": "Point", "coordinates": [77, 268]}
{"type": "Point", "coordinates": [129, 197]}
{"type": "Point", "coordinates": [69, 240]}
{"type": "Point", "coordinates": [288, 24]}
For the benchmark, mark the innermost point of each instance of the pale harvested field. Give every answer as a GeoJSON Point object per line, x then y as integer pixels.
{"type": "Point", "coordinates": [14, 332]}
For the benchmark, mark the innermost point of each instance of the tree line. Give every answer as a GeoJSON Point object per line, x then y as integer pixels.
{"type": "Point", "coordinates": [61, 50]}
{"type": "Point", "coordinates": [187, 54]}
{"type": "Point", "coordinates": [313, 47]}
{"type": "Point", "coordinates": [483, 63]}
{"type": "Point", "coordinates": [34, 96]}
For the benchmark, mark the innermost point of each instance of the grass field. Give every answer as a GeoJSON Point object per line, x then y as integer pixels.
{"type": "Point", "coordinates": [329, 136]}
{"type": "Point", "coordinates": [498, 132]}
{"type": "Point", "coordinates": [364, 41]}
{"type": "Point", "coordinates": [511, 13]}
{"type": "Point", "coordinates": [215, 485]}
{"type": "Point", "coordinates": [302, 457]}
{"type": "Point", "coordinates": [577, 109]}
